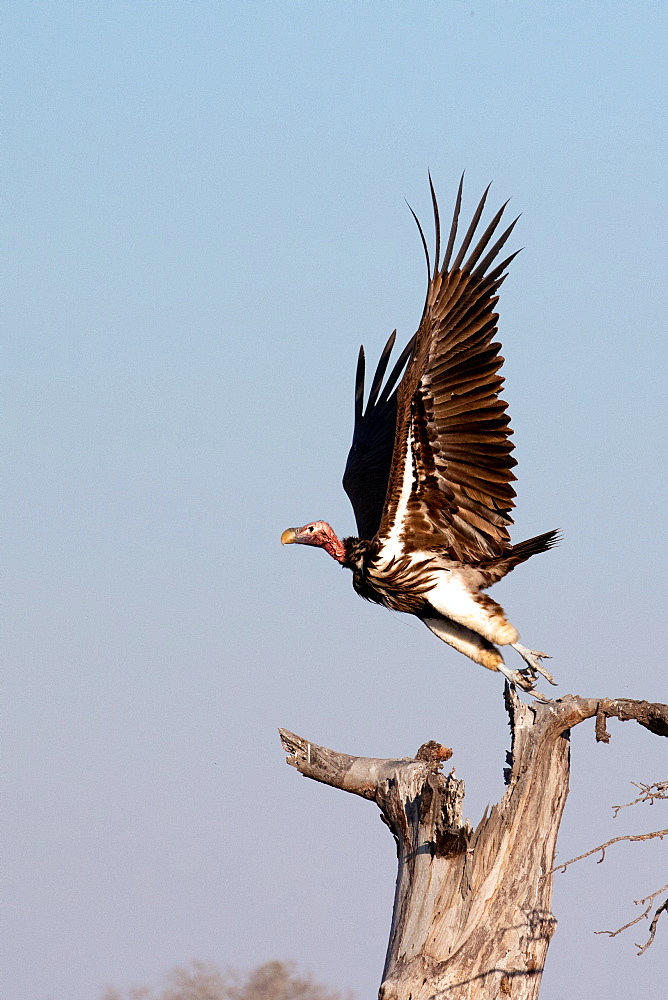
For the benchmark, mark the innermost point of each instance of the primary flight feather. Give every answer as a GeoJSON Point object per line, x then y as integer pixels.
{"type": "Point", "coordinates": [429, 470]}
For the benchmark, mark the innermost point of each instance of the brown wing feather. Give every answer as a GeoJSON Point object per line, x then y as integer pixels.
{"type": "Point", "coordinates": [459, 466]}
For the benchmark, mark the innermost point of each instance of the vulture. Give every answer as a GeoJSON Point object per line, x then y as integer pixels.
{"type": "Point", "coordinates": [429, 470]}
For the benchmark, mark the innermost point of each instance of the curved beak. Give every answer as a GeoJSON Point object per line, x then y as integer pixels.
{"type": "Point", "coordinates": [289, 536]}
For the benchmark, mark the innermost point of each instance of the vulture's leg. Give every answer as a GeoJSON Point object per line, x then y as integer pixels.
{"type": "Point", "coordinates": [477, 648]}
{"type": "Point", "coordinates": [533, 658]}
{"type": "Point", "coordinates": [466, 641]}
{"type": "Point", "coordinates": [453, 597]}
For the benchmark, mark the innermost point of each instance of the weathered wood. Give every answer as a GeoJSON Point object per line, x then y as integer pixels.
{"type": "Point", "coordinates": [650, 714]}
{"type": "Point", "coordinates": [472, 911]}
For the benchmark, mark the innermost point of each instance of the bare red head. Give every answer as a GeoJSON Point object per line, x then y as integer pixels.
{"type": "Point", "coordinates": [316, 533]}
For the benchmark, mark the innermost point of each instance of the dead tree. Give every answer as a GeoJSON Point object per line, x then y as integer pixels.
{"type": "Point", "coordinates": [472, 910]}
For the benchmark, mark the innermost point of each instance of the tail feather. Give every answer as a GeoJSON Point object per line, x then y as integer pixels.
{"type": "Point", "coordinates": [495, 569]}
{"type": "Point", "coordinates": [532, 546]}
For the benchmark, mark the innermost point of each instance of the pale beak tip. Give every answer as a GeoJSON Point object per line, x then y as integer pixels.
{"type": "Point", "coordinates": [288, 536]}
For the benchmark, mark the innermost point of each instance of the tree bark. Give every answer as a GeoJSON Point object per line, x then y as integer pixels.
{"type": "Point", "coordinates": [472, 911]}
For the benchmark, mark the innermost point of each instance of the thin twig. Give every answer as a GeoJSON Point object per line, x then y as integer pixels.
{"type": "Point", "coordinates": [626, 926]}
{"type": "Point", "coordinates": [655, 919]}
{"type": "Point", "coordinates": [601, 847]}
{"type": "Point", "coordinates": [651, 896]}
{"type": "Point", "coordinates": [657, 790]}
{"type": "Point", "coordinates": [652, 927]}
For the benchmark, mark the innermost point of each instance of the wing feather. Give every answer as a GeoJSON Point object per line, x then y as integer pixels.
{"type": "Point", "coordinates": [452, 444]}
{"type": "Point", "coordinates": [381, 368]}
{"type": "Point", "coordinates": [368, 465]}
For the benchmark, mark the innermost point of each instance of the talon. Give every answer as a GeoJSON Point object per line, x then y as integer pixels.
{"type": "Point", "coordinates": [523, 679]}
{"type": "Point", "coordinates": [540, 697]}
{"type": "Point", "coordinates": [533, 657]}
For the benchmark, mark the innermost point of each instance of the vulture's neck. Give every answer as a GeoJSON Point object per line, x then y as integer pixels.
{"type": "Point", "coordinates": [356, 552]}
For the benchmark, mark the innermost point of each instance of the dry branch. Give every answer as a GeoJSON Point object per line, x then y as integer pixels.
{"type": "Point", "coordinates": [652, 927]}
{"type": "Point", "coordinates": [648, 793]}
{"type": "Point", "coordinates": [651, 715]}
{"type": "Point", "coordinates": [472, 912]}
{"type": "Point", "coordinates": [602, 848]}
{"type": "Point", "coordinates": [655, 919]}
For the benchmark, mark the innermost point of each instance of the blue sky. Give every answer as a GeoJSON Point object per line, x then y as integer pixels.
{"type": "Point", "coordinates": [205, 216]}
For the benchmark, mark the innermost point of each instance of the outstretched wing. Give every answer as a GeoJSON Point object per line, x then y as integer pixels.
{"type": "Point", "coordinates": [368, 465]}
{"type": "Point", "coordinates": [449, 487]}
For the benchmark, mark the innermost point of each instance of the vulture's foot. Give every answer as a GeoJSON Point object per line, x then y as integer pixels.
{"type": "Point", "coordinates": [533, 658]}
{"type": "Point", "coordinates": [524, 679]}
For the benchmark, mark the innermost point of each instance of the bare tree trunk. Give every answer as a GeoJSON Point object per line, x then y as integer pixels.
{"type": "Point", "coordinates": [472, 911]}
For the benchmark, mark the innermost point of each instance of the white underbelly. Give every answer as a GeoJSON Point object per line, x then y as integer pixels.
{"type": "Point", "coordinates": [451, 596]}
